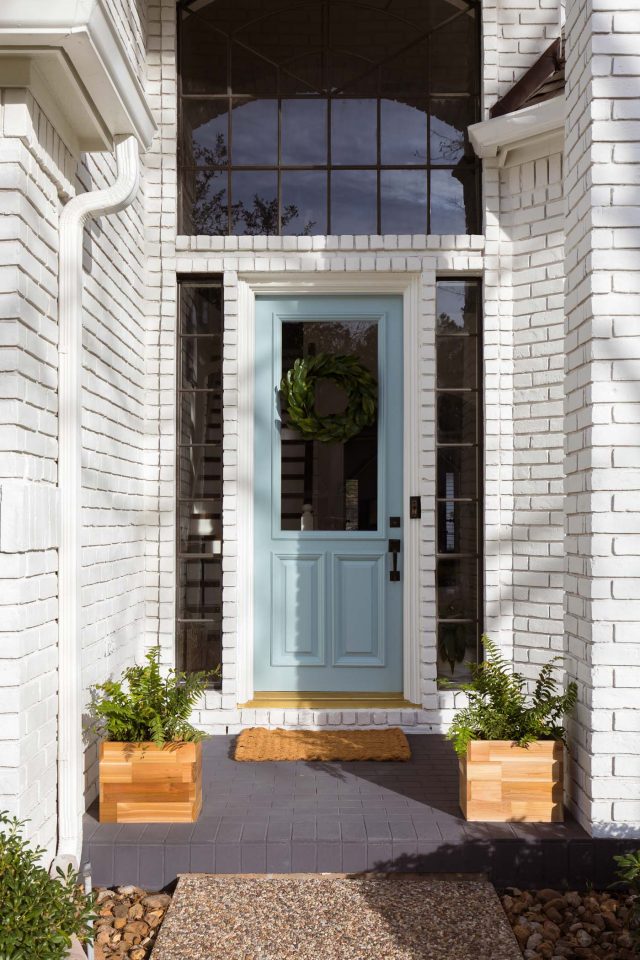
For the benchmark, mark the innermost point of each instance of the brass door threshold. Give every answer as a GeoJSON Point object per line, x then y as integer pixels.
{"type": "Point", "coordinates": [326, 700]}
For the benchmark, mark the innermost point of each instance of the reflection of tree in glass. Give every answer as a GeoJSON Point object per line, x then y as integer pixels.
{"type": "Point", "coordinates": [447, 325]}
{"type": "Point", "coordinates": [450, 147]}
{"type": "Point", "coordinates": [210, 211]}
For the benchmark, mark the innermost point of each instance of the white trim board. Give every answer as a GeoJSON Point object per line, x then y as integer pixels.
{"type": "Point", "coordinates": [364, 283]}
{"type": "Point", "coordinates": [522, 135]}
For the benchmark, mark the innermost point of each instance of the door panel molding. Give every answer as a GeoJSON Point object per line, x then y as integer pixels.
{"type": "Point", "coordinates": [272, 284]}
{"type": "Point", "coordinates": [351, 622]}
{"type": "Point", "coordinates": [297, 582]}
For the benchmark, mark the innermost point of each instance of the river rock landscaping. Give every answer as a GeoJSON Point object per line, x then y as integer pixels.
{"type": "Point", "coordinates": [128, 922]}
{"type": "Point", "coordinates": [555, 925]}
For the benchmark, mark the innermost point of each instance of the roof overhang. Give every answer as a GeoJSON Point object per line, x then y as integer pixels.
{"type": "Point", "coordinates": [69, 54]}
{"type": "Point", "coordinates": [522, 135]}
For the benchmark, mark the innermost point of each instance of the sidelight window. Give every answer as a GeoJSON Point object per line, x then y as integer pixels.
{"type": "Point", "coordinates": [328, 116]}
{"type": "Point", "coordinates": [199, 478]}
{"type": "Point", "coordinates": [459, 470]}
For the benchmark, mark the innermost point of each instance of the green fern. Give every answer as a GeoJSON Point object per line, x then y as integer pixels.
{"type": "Point", "coordinates": [499, 707]}
{"type": "Point", "coordinates": [152, 708]}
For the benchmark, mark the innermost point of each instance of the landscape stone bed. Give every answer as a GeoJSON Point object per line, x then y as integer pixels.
{"type": "Point", "coordinates": [555, 925]}
{"type": "Point", "coordinates": [128, 922]}
{"type": "Point", "coordinates": [548, 924]}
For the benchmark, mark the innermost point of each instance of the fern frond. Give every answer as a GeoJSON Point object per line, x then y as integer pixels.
{"type": "Point", "coordinates": [500, 709]}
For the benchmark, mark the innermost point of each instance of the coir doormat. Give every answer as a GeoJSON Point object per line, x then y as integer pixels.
{"type": "Point", "coordinates": [260, 744]}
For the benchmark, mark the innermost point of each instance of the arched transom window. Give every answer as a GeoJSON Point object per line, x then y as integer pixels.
{"type": "Point", "coordinates": [328, 116]}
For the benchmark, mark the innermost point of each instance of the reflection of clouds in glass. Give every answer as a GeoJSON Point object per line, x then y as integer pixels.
{"type": "Point", "coordinates": [205, 128]}
{"type": "Point", "coordinates": [304, 131]}
{"type": "Point", "coordinates": [353, 201]}
{"type": "Point", "coordinates": [353, 131]}
{"type": "Point", "coordinates": [451, 298]}
{"type": "Point", "coordinates": [447, 203]}
{"type": "Point", "coordinates": [306, 191]}
{"type": "Point", "coordinates": [254, 132]}
{"type": "Point", "coordinates": [404, 201]}
{"type": "Point", "coordinates": [403, 130]}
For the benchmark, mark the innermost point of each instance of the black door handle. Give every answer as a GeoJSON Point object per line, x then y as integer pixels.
{"type": "Point", "coordinates": [394, 550]}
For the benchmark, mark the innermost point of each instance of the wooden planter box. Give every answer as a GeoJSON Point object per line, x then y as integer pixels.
{"type": "Point", "coordinates": [502, 781]}
{"type": "Point", "coordinates": [143, 783]}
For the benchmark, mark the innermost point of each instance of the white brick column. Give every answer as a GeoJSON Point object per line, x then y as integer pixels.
{"type": "Point", "coordinates": [602, 409]}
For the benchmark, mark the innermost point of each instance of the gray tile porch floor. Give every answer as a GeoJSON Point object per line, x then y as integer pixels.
{"type": "Point", "coordinates": [342, 817]}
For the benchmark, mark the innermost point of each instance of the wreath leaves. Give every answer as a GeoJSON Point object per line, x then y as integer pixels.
{"type": "Point", "coordinates": [298, 395]}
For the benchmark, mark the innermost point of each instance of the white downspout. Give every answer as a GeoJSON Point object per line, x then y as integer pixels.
{"type": "Point", "coordinates": [70, 701]}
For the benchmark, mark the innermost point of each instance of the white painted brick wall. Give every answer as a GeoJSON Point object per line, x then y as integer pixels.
{"type": "Point", "coordinates": [532, 218]}
{"type": "Point", "coordinates": [30, 204]}
{"type": "Point", "coordinates": [114, 521]}
{"type": "Point", "coordinates": [602, 458]}
{"type": "Point", "coordinates": [524, 30]}
{"type": "Point", "coordinates": [37, 175]}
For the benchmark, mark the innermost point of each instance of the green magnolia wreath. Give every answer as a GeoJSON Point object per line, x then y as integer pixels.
{"type": "Point", "coordinates": [298, 394]}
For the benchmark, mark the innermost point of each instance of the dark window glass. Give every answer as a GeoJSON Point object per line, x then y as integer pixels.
{"type": "Point", "coordinates": [205, 133]}
{"type": "Point", "coordinates": [208, 205]}
{"type": "Point", "coordinates": [304, 132]}
{"type": "Point", "coordinates": [202, 313]}
{"type": "Point", "coordinates": [199, 478]}
{"type": "Point", "coordinates": [457, 472]}
{"type": "Point", "coordinates": [404, 201]}
{"type": "Point", "coordinates": [304, 202]}
{"type": "Point", "coordinates": [453, 201]}
{"type": "Point", "coordinates": [254, 207]}
{"type": "Point", "coordinates": [254, 126]}
{"type": "Point", "coordinates": [458, 305]}
{"type": "Point", "coordinates": [458, 364]}
{"type": "Point", "coordinates": [354, 125]}
{"type": "Point", "coordinates": [354, 201]}
{"type": "Point", "coordinates": [456, 418]}
{"type": "Point", "coordinates": [403, 132]}
{"type": "Point", "coordinates": [320, 84]}
{"type": "Point", "coordinates": [203, 65]}
{"type": "Point", "coordinates": [333, 484]}
{"type": "Point", "coordinates": [453, 55]}
{"type": "Point", "coordinates": [448, 138]}
{"type": "Point", "coordinates": [459, 459]}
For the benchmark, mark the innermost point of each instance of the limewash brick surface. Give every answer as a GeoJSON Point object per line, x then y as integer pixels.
{"type": "Point", "coordinates": [532, 206]}
{"type": "Point", "coordinates": [30, 186]}
{"type": "Point", "coordinates": [38, 174]}
{"type": "Point", "coordinates": [602, 410]}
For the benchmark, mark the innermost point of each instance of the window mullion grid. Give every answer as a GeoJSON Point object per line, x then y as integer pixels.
{"type": "Point", "coordinates": [474, 556]}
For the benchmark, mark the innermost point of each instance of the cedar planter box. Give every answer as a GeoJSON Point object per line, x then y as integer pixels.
{"type": "Point", "coordinates": [501, 781]}
{"type": "Point", "coordinates": [143, 783]}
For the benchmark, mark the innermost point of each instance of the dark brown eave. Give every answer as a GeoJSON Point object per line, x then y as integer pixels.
{"type": "Point", "coordinates": [526, 90]}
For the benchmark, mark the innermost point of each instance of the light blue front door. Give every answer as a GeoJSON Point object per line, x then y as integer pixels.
{"type": "Point", "coordinates": [328, 516]}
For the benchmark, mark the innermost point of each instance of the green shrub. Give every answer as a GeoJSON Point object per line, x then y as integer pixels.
{"type": "Point", "coordinates": [38, 913]}
{"type": "Point", "coordinates": [629, 872]}
{"type": "Point", "coordinates": [152, 708]}
{"type": "Point", "coordinates": [499, 707]}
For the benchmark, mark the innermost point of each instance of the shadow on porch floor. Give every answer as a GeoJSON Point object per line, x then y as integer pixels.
{"type": "Point", "coordinates": [342, 817]}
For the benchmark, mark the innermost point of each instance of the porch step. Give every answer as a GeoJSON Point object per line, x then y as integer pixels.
{"type": "Point", "coordinates": [327, 700]}
{"type": "Point", "coordinates": [343, 817]}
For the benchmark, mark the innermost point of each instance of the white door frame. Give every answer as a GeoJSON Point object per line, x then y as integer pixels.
{"type": "Point", "coordinates": [274, 284]}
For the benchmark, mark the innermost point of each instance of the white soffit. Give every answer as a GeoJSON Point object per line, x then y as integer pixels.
{"type": "Point", "coordinates": [69, 54]}
{"type": "Point", "coordinates": [522, 135]}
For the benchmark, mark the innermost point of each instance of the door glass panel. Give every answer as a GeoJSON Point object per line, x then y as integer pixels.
{"type": "Point", "coordinates": [334, 485]}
